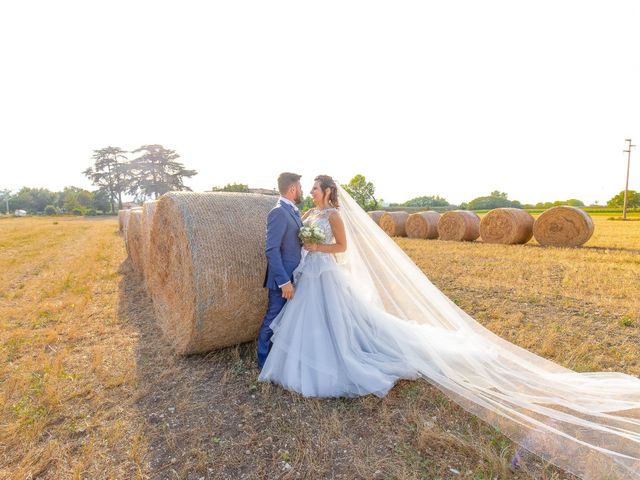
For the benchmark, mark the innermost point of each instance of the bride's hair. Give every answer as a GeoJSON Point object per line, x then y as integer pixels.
{"type": "Point", "coordinates": [327, 182]}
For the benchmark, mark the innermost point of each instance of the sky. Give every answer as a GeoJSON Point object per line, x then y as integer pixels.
{"type": "Point", "coordinates": [455, 98]}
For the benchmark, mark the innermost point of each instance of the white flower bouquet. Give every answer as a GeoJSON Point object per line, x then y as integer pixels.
{"type": "Point", "coordinates": [311, 234]}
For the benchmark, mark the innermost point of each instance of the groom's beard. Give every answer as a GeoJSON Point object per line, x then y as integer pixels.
{"type": "Point", "coordinates": [298, 200]}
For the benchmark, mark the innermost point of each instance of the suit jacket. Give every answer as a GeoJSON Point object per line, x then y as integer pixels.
{"type": "Point", "coordinates": [282, 245]}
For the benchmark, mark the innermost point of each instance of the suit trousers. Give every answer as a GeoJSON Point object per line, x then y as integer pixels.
{"type": "Point", "coordinates": [276, 302]}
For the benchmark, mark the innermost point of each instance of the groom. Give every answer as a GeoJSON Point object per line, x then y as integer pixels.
{"type": "Point", "coordinates": [283, 255]}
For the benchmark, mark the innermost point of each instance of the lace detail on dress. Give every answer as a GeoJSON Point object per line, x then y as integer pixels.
{"type": "Point", "coordinates": [320, 218]}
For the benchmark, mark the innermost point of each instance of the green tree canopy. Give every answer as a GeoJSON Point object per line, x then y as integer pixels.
{"type": "Point", "coordinates": [362, 192]}
{"type": "Point", "coordinates": [75, 199]}
{"type": "Point", "coordinates": [495, 200]}
{"type": "Point", "coordinates": [110, 174]}
{"type": "Point", "coordinates": [157, 171]}
{"type": "Point", "coordinates": [33, 200]}
{"type": "Point", "coordinates": [232, 187]}
{"type": "Point", "coordinates": [426, 202]}
{"type": "Point", "coordinates": [633, 200]}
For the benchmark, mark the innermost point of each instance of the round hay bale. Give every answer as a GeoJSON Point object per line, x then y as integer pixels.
{"type": "Point", "coordinates": [148, 208]}
{"type": "Point", "coordinates": [507, 226]}
{"type": "Point", "coordinates": [393, 223]}
{"type": "Point", "coordinates": [125, 224]}
{"type": "Point", "coordinates": [375, 215]}
{"type": "Point", "coordinates": [423, 225]}
{"type": "Point", "coordinates": [121, 215]}
{"type": "Point", "coordinates": [207, 266]}
{"type": "Point", "coordinates": [459, 225]}
{"type": "Point", "coordinates": [135, 239]}
{"type": "Point", "coordinates": [563, 226]}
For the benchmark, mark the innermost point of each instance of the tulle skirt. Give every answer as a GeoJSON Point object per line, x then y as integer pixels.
{"type": "Point", "coordinates": [328, 341]}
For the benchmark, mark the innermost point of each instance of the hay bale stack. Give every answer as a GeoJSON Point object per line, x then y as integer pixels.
{"type": "Point", "coordinates": [459, 225]}
{"type": "Point", "coordinates": [148, 208]}
{"type": "Point", "coordinates": [423, 225]}
{"type": "Point", "coordinates": [207, 266]}
{"type": "Point", "coordinates": [121, 215]}
{"type": "Point", "coordinates": [135, 239]}
{"type": "Point", "coordinates": [507, 226]}
{"type": "Point", "coordinates": [394, 223]}
{"type": "Point", "coordinates": [375, 215]}
{"type": "Point", "coordinates": [563, 226]}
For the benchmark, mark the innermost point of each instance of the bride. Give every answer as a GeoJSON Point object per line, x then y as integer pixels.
{"type": "Point", "coordinates": [364, 316]}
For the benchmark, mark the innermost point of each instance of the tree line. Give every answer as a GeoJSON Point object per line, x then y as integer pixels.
{"type": "Point", "coordinates": [154, 170]}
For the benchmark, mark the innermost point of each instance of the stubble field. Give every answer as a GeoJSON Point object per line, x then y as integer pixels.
{"type": "Point", "coordinates": [89, 389]}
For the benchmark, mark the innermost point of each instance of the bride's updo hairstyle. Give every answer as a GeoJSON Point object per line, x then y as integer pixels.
{"type": "Point", "coordinates": [327, 182]}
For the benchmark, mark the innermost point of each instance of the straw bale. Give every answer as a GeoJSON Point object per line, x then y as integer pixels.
{"type": "Point", "coordinates": [207, 266]}
{"type": "Point", "coordinates": [393, 223]}
{"type": "Point", "coordinates": [148, 208]}
{"type": "Point", "coordinates": [121, 215]}
{"type": "Point", "coordinates": [423, 225]}
{"type": "Point", "coordinates": [135, 239]}
{"type": "Point", "coordinates": [563, 226]}
{"type": "Point", "coordinates": [460, 225]}
{"type": "Point", "coordinates": [375, 215]}
{"type": "Point", "coordinates": [507, 226]}
{"type": "Point", "coordinates": [125, 223]}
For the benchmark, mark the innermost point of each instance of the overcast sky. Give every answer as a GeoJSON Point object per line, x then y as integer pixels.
{"type": "Point", "coordinates": [454, 98]}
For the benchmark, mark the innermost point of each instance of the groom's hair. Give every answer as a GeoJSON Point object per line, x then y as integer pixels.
{"type": "Point", "coordinates": [285, 180]}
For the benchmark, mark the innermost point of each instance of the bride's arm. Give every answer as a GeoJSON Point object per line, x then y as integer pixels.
{"type": "Point", "coordinates": [337, 225]}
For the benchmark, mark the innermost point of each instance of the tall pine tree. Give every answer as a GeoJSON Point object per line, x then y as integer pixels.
{"type": "Point", "coordinates": [110, 173]}
{"type": "Point", "coordinates": [157, 171]}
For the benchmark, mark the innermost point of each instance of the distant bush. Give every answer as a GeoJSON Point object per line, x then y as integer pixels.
{"type": "Point", "coordinates": [91, 211]}
{"type": "Point", "coordinates": [77, 211]}
{"type": "Point", "coordinates": [50, 210]}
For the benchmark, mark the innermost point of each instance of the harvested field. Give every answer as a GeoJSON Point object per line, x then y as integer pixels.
{"type": "Point", "coordinates": [90, 390]}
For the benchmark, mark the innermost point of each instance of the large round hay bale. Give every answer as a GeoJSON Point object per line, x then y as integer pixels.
{"type": "Point", "coordinates": [148, 208]}
{"type": "Point", "coordinates": [563, 226]}
{"type": "Point", "coordinates": [459, 225]}
{"type": "Point", "coordinates": [423, 225]}
{"type": "Point", "coordinates": [121, 215]}
{"type": "Point", "coordinates": [393, 223]}
{"type": "Point", "coordinates": [375, 215]}
{"type": "Point", "coordinates": [125, 223]}
{"type": "Point", "coordinates": [207, 266]}
{"type": "Point", "coordinates": [507, 226]}
{"type": "Point", "coordinates": [135, 239]}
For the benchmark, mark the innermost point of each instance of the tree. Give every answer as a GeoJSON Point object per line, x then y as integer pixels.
{"type": "Point", "coordinates": [362, 192]}
{"type": "Point", "coordinates": [427, 202]}
{"type": "Point", "coordinates": [33, 199]}
{"type": "Point", "coordinates": [157, 171]}
{"type": "Point", "coordinates": [232, 187]}
{"type": "Point", "coordinates": [74, 199]}
{"type": "Point", "coordinates": [495, 200]}
{"type": "Point", "coordinates": [110, 173]}
{"type": "Point", "coordinates": [633, 200]}
{"type": "Point", "coordinates": [5, 196]}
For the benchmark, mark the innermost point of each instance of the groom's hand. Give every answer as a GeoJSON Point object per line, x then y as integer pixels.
{"type": "Point", "coordinates": [287, 291]}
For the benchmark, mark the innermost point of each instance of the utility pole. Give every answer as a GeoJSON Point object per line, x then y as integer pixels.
{"type": "Point", "coordinates": [626, 187]}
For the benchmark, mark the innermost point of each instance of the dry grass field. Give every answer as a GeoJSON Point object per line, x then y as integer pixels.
{"type": "Point", "coordinates": [89, 389]}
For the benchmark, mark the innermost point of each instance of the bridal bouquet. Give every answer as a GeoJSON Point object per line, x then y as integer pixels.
{"type": "Point", "coordinates": [311, 234]}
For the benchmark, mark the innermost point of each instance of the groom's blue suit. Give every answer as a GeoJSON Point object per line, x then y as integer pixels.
{"type": "Point", "coordinates": [283, 256]}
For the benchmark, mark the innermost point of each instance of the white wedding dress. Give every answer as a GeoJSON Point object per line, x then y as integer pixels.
{"type": "Point", "coordinates": [361, 320]}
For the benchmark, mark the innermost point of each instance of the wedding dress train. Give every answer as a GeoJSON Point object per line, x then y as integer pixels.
{"type": "Point", "coordinates": [360, 321]}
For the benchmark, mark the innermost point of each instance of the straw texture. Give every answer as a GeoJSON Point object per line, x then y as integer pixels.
{"type": "Point", "coordinates": [134, 238]}
{"type": "Point", "coordinates": [207, 267]}
{"type": "Point", "coordinates": [121, 215]}
{"type": "Point", "coordinates": [393, 223]}
{"type": "Point", "coordinates": [563, 226]}
{"type": "Point", "coordinates": [375, 215]}
{"type": "Point", "coordinates": [148, 208]}
{"type": "Point", "coordinates": [423, 225]}
{"type": "Point", "coordinates": [459, 225]}
{"type": "Point", "coordinates": [507, 226]}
